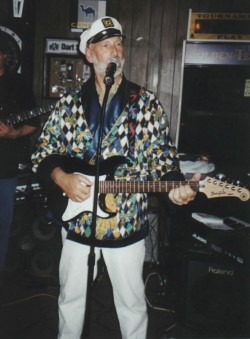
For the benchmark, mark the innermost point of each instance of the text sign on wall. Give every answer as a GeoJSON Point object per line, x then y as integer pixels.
{"type": "Point", "coordinates": [85, 12]}
{"type": "Point", "coordinates": [217, 54]}
{"type": "Point", "coordinates": [218, 26]}
{"type": "Point", "coordinates": [61, 46]}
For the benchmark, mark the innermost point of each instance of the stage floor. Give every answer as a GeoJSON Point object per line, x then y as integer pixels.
{"type": "Point", "coordinates": [29, 308]}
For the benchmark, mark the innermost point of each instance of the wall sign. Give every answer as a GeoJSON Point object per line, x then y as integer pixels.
{"type": "Point", "coordinates": [64, 68]}
{"type": "Point", "coordinates": [84, 13]}
{"type": "Point", "coordinates": [205, 53]}
{"type": "Point", "coordinates": [61, 46]}
{"type": "Point", "coordinates": [218, 26]}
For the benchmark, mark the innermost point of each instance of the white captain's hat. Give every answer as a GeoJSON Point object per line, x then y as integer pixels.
{"type": "Point", "coordinates": [101, 29]}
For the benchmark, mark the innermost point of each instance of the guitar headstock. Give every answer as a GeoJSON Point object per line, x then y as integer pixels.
{"type": "Point", "coordinates": [214, 188]}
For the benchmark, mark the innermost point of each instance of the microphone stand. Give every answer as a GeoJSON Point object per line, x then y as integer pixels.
{"type": "Point", "coordinates": [108, 81]}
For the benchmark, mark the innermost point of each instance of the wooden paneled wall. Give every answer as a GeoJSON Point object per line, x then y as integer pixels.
{"type": "Point", "coordinates": [155, 30]}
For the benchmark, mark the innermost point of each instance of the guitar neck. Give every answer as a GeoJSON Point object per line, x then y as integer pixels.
{"type": "Point", "coordinates": [143, 186]}
{"type": "Point", "coordinates": [211, 187]}
{"type": "Point", "coordinates": [15, 118]}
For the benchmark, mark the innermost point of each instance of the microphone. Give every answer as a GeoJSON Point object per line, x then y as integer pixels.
{"type": "Point", "coordinates": [110, 71]}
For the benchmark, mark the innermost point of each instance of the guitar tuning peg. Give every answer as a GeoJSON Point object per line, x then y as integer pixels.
{"type": "Point", "coordinates": [220, 176]}
{"type": "Point", "coordinates": [238, 183]}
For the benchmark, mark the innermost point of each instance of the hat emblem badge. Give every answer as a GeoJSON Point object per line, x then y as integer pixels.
{"type": "Point", "coordinates": [107, 22]}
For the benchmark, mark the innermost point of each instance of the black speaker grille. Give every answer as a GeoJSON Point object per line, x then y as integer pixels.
{"type": "Point", "coordinates": [213, 294]}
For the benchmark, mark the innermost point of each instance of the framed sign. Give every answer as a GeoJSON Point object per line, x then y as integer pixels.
{"type": "Point", "coordinates": [84, 12]}
{"type": "Point", "coordinates": [214, 26]}
{"type": "Point", "coordinates": [64, 67]}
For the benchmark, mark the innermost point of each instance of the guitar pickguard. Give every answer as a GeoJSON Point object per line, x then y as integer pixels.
{"type": "Point", "coordinates": [75, 208]}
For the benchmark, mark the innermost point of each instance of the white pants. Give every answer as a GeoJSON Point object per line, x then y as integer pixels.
{"type": "Point", "coordinates": [124, 267]}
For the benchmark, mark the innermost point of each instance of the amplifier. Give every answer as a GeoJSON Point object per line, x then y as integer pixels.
{"type": "Point", "coordinates": [22, 191]}
{"type": "Point", "coordinates": [28, 186]}
{"type": "Point", "coordinates": [229, 236]}
{"type": "Point", "coordinates": [212, 294]}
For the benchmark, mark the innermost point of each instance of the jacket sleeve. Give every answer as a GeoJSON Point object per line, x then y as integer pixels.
{"type": "Point", "coordinates": [49, 141]}
{"type": "Point", "coordinates": [160, 152]}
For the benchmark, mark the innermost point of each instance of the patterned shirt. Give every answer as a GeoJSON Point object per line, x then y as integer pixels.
{"type": "Point", "coordinates": [135, 128]}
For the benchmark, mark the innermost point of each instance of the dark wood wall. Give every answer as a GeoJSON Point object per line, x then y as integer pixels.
{"type": "Point", "coordinates": [155, 31]}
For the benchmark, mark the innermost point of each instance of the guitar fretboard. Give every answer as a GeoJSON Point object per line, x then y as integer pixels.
{"type": "Point", "coordinates": [143, 186]}
{"type": "Point", "coordinates": [14, 118]}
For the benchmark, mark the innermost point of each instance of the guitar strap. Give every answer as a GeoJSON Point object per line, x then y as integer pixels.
{"type": "Point", "coordinates": [127, 94]}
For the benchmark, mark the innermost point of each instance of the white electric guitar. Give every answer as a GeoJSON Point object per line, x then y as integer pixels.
{"type": "Point", "coordinates": [211, 187]}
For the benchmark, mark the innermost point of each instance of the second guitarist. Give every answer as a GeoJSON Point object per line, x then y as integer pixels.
{"type": "Point", "coordinates": [15, 96]}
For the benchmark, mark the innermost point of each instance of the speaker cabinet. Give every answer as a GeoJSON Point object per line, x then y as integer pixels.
{"type": "Point", "coordinates": [212, 294]}
{"type": "Point", "coordinates": [35, 242]}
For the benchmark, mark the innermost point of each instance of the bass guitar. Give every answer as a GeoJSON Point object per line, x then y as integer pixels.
{"type": "Point", "coordinates": [211, 187]}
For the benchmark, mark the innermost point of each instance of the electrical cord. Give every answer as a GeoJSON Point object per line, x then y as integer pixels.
{"type": "Point", "coordinates": [152, 239]}
{"type": "Point", "coordinates": [147, 299]}
{"type": "Point", "coordinates": [43, 326]}
{"type": "Point", "coordinates": [29, 298]}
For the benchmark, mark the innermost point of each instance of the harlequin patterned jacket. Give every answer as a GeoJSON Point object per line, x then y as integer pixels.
{"type": "Point", "coordinates": [135, 147]}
